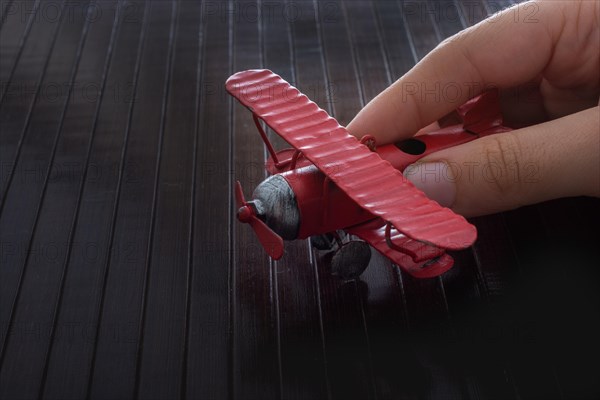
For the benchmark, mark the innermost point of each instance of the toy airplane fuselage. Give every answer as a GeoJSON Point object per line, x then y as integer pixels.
{"type": "Point", "coordinates": [321, 205]}
{"type": "Point", "coordinates": [330, 181]}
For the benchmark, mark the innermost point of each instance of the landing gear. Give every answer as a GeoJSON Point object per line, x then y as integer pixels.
{"type": "Point", "coordinates": [327, 241]}
{"type": "Point", "coordinates": [322, 242]}
{"type": "Point", "coordinates": [351, 260]}
{"type": "Point", "coordinates": [350, 256]}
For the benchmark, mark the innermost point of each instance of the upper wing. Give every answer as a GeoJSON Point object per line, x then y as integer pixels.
{"type": "Point", "coordinates": [373, 232]}
{"type": "Point", "coordinates": [370, 181]}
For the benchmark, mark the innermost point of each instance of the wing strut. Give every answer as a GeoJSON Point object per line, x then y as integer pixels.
{"type": "Point", "coordinates": [417, 250]}
{"type": "Point", "coordinates": [349, 164]}
{"type": "Point", "coordinates": [266, 140]}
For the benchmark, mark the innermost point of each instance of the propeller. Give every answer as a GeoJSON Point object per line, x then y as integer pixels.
{"type": "Point", "coordinates": [271, 241]}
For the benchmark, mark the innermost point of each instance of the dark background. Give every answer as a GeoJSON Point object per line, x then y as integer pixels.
{"type": "Point", "coordinates": [125, 274]}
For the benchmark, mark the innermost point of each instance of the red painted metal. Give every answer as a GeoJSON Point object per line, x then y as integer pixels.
{"type": "Point", "coordinates": [270, 241]}
{"type": "Point", "coordinates": [481, 115]}
{"type": "Point", "coordinates": [358, 186]}
{"type": "Point", "coordinates": [419, 251]}
{"type": "Point", "coordinates": [282, 161]}
{"type": "Point", "coordinates": [370, 181]}
{"type": "Point", "coordinates": [323, 206]}
{"type": "Point", "coordinates": [373, 232]}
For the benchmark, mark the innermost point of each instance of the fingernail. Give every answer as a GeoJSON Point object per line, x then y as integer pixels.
{"type": "Point", "coordinates": [435, 179]}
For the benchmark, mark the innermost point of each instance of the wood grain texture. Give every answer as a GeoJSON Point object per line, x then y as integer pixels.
{"type": "Point", "coordinates": [124, 273]}
{"type": "Point", "coordinates": [303, 369]}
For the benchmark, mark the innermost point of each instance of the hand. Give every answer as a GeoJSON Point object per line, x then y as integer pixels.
{"type": "Point", "coordinates": [544, 57]}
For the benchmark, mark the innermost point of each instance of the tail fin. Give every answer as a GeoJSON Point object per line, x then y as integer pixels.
{"type": "Point", "coordinates": [481, 113]}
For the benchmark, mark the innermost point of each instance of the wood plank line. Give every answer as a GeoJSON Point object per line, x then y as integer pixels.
{"type": "Point", "coordinates": [192, 205]}
{"type": "Point", "coordinates": [481, 281]}
{"type": "Point", "coordinates": [483, 381]}
{"type": "Point", "coordinates": [496, 275]}
{"type": "Point", "coordinates": [428, 300]}
{"type": "Point", "coordinates": [211, 362]}
{"type": "Point", "coordinates": [386, 20]}
{"type": "Point", "coordinates": [256, 333]}
{"type": "Point", "coordinates": [421, 39]}
{"type": "Point", "coordinates": [307, 278]}
{"type": "Point", "coordinates": [117, 197]}
{"type": "Point", "coordinates": [17, 294]}
{"type": "Point", "coordinates": [163, 334]}
{"type": "Point", "coordinates": [40, 126]}
{"type": "Point", "coordinates": [8, 71]}
{"type": "Point", "coordinates": [340, 302]}
{"type": "Point", "coordinates": [114, 366]}
{"type": "Point", "coordinates": [302, 365]}
{"type": "Point", "coordinates": [72, 75]}
{"type": "Point", "coordinates": [373, 75]}
{"type": "Point", "coordinates": [82, 288]}
{"type": "Point", "coordinates": [273, 264]}
{"type": "Point", "coordinates": [465, 282]}
{"type": "Point", "coordinates": [151, 232]}
{"type": "Point", "coordinates": [10, 134]}
{"type": "Point", "coordinates": [125, 273]}
{"type": "Point", "coordinates": [14, 309]}
{"type": "Point", "coordinates": [428, 28]}
{"type": "Point", "coordinates": [231, 219]}
{"type": "Point", "coordinates": [311, 278]}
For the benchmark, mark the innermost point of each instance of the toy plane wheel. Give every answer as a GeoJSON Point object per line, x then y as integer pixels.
{"type": "Point", "coordinates": [322, 242]}
{"type": "Point", "coordinates": [327, 241]}
{"type": "Point", "coordinates": [351, 260]}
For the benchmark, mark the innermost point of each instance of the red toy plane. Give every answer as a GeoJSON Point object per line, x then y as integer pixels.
{"type": "Point", "coordinates": [330, 182]}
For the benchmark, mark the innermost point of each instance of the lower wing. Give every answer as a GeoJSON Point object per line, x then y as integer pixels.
{"type": "Point", "coordinates": [416, 258]}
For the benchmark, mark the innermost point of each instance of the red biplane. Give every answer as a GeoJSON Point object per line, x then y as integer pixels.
{"type": "Point", "coordinates": [331, 182]}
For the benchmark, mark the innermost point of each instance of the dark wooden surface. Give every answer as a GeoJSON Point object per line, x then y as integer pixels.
{"type": "Point", "coordinates": [125, 275]}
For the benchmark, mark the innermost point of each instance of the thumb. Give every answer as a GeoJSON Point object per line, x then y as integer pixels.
{"type": "Point", "coordinates": [500, 172]}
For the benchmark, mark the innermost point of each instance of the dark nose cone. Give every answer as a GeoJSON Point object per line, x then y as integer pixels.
{"type": "Point", "coordinates": [276, 205]}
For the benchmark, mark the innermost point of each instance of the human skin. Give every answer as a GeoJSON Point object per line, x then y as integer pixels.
{"type": "Point", "coordinates": [544, 57]}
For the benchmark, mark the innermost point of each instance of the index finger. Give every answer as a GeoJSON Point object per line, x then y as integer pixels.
{"type": "Point", "coordinates": [501, 51]}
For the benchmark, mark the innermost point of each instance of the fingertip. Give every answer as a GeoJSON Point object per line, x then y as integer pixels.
{"type": "Point", "coordinates": [384, 118]}
{"type": "Point", "coordinates": [435, 179]}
